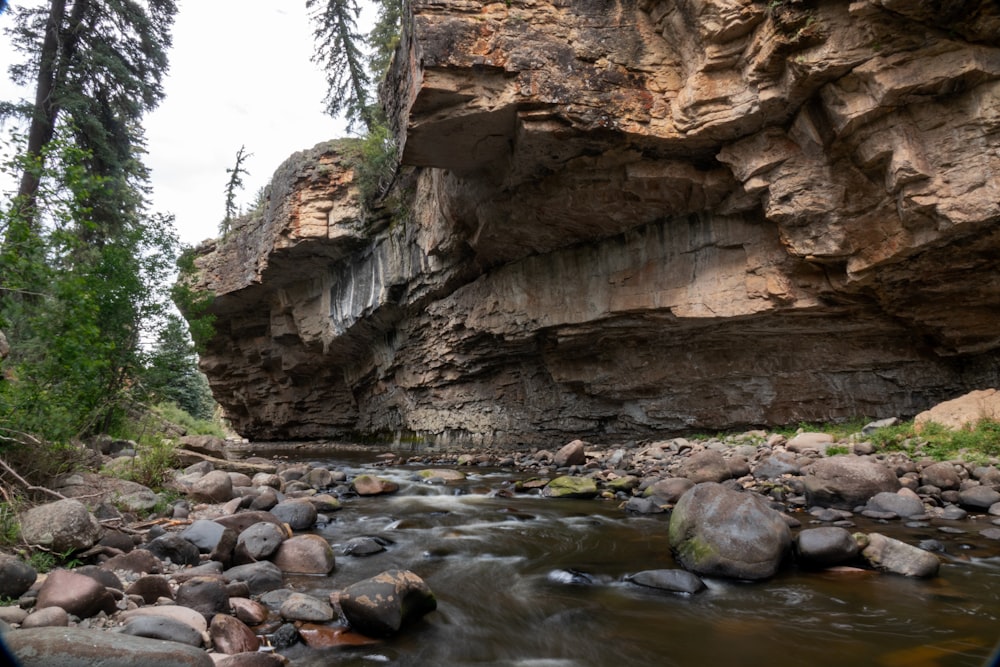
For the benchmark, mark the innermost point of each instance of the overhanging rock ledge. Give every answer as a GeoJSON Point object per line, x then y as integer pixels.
{"type": "Point", "coordinates": [622, 218]}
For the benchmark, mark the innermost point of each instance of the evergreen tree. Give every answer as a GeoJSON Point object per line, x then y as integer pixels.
{"type": "Point", "coordinates": [83, 264]}
{"type": "Point", "coordinates": [234, 185]}
{"type": "Point", "coordinates": [172, 372]}
{"type": "Point", "coordinates": [344, 52]}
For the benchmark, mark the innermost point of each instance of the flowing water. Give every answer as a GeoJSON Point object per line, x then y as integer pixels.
{"type": "Point", "coordinates": [534, 582]}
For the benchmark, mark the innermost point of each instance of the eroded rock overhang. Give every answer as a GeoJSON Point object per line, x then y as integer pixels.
{"type": "Point", "coordinates": [618, 219]}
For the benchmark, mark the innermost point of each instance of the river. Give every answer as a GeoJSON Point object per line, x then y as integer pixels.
{"type": "Point", "coordinates": [533, 582]}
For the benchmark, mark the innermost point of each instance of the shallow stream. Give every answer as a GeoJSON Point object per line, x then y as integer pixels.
{"type": "Point", "coordinates": [508, 575]}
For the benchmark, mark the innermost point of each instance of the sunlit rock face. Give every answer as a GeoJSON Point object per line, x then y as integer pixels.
{"type": "Point", "coordinates": [623, 219]}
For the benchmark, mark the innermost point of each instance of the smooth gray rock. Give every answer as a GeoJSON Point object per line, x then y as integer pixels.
{"type": "Point", "coordinates": [162, 627]}
{"type": "Point", "coordinates": [844, 482]}
{"type": "Point", "coordinates": [825, 547]}
{"type": "Point", "coordinates": [302, 607]}
{"type": "Point", "coordinates": [73, 647]}
{"type": "Point", "coordinates": [942, 475]}
{"type": "Point", "coordinates": [261, 577]}
{"type": "Point", "coordinates": [298, 514]}
{"type": "Point", "coordinates": [204, 534]}
{"type": "Point", "coordinates": [716, 531]}
{"type": "Point", "coordinates": [979, 497]}
{"type": "Point", "coordinates": [48, 617]}
{"type": "Point", "coordinates": [258, 542]}
{"type": "Point", "coordinates": [674, 581]}
{"type": "Point", "coordinates": [892, 555]}
{"type": "Point", "coordinates": [901, 504]}
{"type": "Point", "coordinates": [16, 576]}
{"type": "Point", "coordinates": [206, 595]}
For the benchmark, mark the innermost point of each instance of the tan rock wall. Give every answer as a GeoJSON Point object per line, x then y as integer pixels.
{"type": "Point", "coordinates": [623, 217]}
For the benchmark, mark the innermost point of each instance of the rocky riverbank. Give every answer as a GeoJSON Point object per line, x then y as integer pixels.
{"type": "Point", "coordinates": [213, 580]}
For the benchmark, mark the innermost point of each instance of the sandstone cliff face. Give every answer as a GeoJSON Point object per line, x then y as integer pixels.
{"type": "Point", "coordinates": [623, 217]}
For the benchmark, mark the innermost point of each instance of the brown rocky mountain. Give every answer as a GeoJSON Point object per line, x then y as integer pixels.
{"type": "Point", "coordinates": [625, 217]}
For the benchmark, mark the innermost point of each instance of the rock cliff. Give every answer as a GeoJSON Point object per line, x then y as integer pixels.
{"type": "Point", "coordinates": [617, 218]}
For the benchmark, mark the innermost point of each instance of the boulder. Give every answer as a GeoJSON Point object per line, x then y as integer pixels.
{"type": "Point", "coordinates": [231, 635]}
{"type": "Point", "coordinates": [892, 555]}
{"type": "Point", "coordinates": [162, 627]}
{"type": "Point", "coordinates": [204, 534]}
{"type": "Point", "coordinates": [150, 588]}
{"type": "Point", "coordinates": [705, 466]}
{"type": "Point", "coordinates": [255, 659]}
{"type": "Point", "coordinates": [63, 526]}
{"type": "Point", "coordinates": [962, 412]}
{"type": "Point", "coordinates": [844, 482]}
{"type": "Point", "coordinates": [184, 615]}
{"type": "Point", "coordinates": [370, 485]}
{"type": "Point", "coordinates": [443, 474]}
{"type": "Point", "coordinates": [249, 611]}
{"type": "Point", "coordinates": [570, 454]}
{"type": "Point", "coordinates": [381, 605]}
{"type": "Point", "coordinates": [261, 577]}
{"type": "Point", "coordinates": [716, 531]}
{"type": "Point", "coordinates": [568, 486]}
{"type": "Point", "coordinates": [258, 542]}
{"type": "Point", "coordinates": [302, 607]}
{"type": "Point", "coordinates": [47, 617]}
{"type": "Point", "coordinates": [362, 546]}
{"type": "Point", "coordinates": [174, 548]}
{"type": "Point", "coordinates": [305, 554]}
{"type": "Point", "coordinates": [204, 444]}
{"type": "Point", "coordinates": [16, 576]}
{"type": "Point", "coordinates": [214, 487]}
{"type": "Point", "coordinates": [669, 490]}
{"type": "Point", "coordinates": [904, 503]}
{"type": "Point", "coordinates": [206, 595]}
{"type": "Point", "coordinates": [78, 594]}
{"type": "Point", "coordinates": [299, 514]}
{"type": "Point", "coordinates": [674, 581]}
{"type": "Point", "coordinates": [74, 647]}
{"type": "Point", "coordinates": [825, 547]}
{"type": "Point", "coordinates": [978, 497]}
{"type": "Point", "coordinates": [942, 475]}
{"type": "Point", "coordinates": [776, 465]}
{"type": "Point", "coordinates": [803, 442]}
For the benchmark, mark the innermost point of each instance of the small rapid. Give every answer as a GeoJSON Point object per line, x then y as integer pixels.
{"type": "Point", "coordinates": [532, 582]}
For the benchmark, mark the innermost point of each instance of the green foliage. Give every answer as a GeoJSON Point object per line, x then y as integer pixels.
{"type": "Point", "coordinates": [155, 458]}
{"type": "Point", "coordinates": [192, 424]}
{"type": "Point", "coordinates": [193, 304]}
{"type": "Point", "coordinates": [172, 374]}
{"type": "Point", "coordinates": [376, 164]}
{"type": "Point", "coordinates": [941, 443]}
{"type": "Point", "coordinates": [45, 561]}
{"type": "Point", "coordinates": [10, 525]}
{"type": "Point", "coordinates": [74, 310]}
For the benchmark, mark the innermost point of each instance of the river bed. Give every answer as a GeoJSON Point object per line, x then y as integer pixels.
{"type": "Point", "coordinates": [533, 582]}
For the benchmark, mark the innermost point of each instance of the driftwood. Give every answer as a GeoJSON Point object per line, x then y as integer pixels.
{"type": "Point", "coordinates": [188, 457]}
{"type": "Point", "coordinates": [28, 485]}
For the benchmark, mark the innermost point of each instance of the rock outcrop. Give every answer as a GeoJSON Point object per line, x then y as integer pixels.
{"type": "Point", "coordinates": [622, 217]}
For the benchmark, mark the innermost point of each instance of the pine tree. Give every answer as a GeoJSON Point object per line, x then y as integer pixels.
{"type": "Point", "coordinates": [339, 50]}
{"type": "Point", "coordinates": [83, 264]}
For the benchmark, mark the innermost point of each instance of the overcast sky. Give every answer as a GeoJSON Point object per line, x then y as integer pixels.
{"type": "Point", "coordinates": [240, 74]}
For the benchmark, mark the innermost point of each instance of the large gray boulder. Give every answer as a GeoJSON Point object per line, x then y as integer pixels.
{"type": "Point", "coordinates": [380, 606]}
{"type": "Point", "coordinates": [705, 466]}
{"type": "Point", "coordinates": [62, 526]}
{"type": "Point", "coordinates": [73, 647]}
{"type": "Point", "coordinates": [844, 482]}
{"type": "Point", "coordinates": [716, 531]}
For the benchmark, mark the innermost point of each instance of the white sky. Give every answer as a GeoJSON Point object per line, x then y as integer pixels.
{"type": "Point", "coordinates": [240, 74]}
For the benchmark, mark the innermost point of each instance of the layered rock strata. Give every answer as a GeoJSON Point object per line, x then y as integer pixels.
{"type": "Point", "coordinates": [622, 217]}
